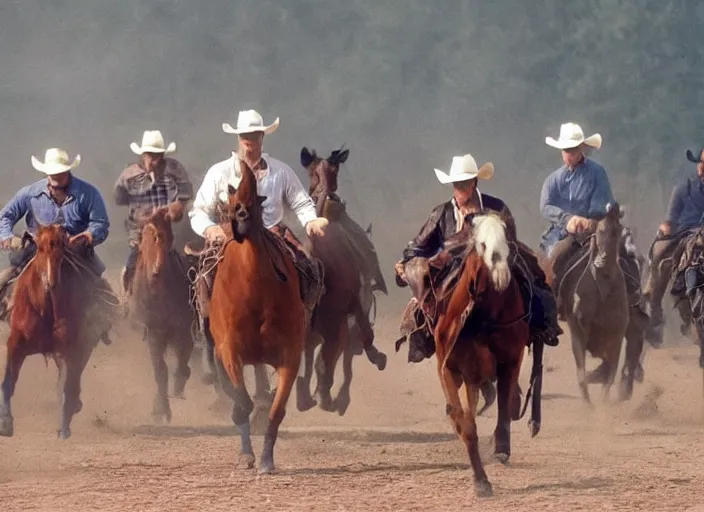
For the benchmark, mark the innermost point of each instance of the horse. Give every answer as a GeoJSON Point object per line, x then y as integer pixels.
{"type": "Point", "coordinates": [256, 315]}
{"type": "Point", "coordinates": [480, 334]}
{"type": "Point", "coordinates": [160, 294]}
{"type": "Point", "coordinates": [596, 303]}
{"type": "Point", "coordinates": [342, 299]}
{"type": "Point", "coordinates": [49, 317]}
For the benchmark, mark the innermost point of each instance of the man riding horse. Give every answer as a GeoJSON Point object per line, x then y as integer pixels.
{"type": "Point", "coordinates": [151, 183]}
{"type": "Point", "coordinates": [685, 213]}
{"type": "Point", "coordinates": [60, 198]}
{"type": "Point", "coordinates": [277, 184]}
{"type": "Point", "coordinates": [452, 217]}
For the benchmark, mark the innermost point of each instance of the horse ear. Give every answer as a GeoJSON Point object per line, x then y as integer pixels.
{"type": "Point", "coordinates": [261, 199]}
{"type": "Point", "coordinates": [342, 157]}
{"type": "Point", "coordinates": [231, 190]}
{"type": "Point", "coordinates": [306, 157]}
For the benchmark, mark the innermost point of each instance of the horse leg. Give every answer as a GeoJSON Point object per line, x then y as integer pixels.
{"type": "Point", "coordinates": [468, 433]}
{"type": "Point", "coordinates": [634, 349]}
{"type": "Point", "coordinates": [263, 398]}
{"type": "Point", "coordinates": [376, 357]}
{"type": "Point", "coordinates": [304, 400]}
{"type": "Point", "coordinates": [287, 376]}
{"type": "Point", "coordinates": [70, 371]}
{"type": "Point", "coordinates": [15, 359]}
{"type": "Point", "coordinates": [509, 405]}
{"type": "Point", "coordinates": [489, 393]}
{"type": "Point", "coordinates": [342, 402]}
{"type": "Point", "coordinates": [231, 375]}
{"type": "Point", "coordinates": [212, 377]}
{"type": "Point", "coordinates": [184, 350]}
{"type": "Point", "coordinates": [579, 350]}
{"type": "Point", "coordinates": [335, 336]}
{"type": "Point", "coordinates": [612, 364]}
{"type": "Point", "coordinates": [161, 411]}
{"type": "Point", "coordinates": [536, 376]}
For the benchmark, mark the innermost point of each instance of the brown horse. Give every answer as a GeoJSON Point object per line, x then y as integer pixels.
{"type": "Point", "coordinates": [595, 302]}
{"type": "Point", "coordinates": [344, 275]}
{"type": "Point", "coordinates": [256, 315]}
{"type": "Point", "coordinates": [49, 299]}
{"type": "Point", "coordinates": [160, 296]}
{"type": "Point", "coordinates": [481, 334]}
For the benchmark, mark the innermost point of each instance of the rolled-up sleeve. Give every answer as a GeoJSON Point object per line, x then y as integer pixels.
{"type": "Point", "coordinates": [98, 222]}
{"type": "Point", "coordinates": [202, 215]}
{"type": "Point", "coordinates": [12, 213]}
{"type": "Point", "coordinates": [674, 209]}
{"type": "Point", "coordinates": [602, 194]}
{"type": "Point", "coordinates": [297, 198]}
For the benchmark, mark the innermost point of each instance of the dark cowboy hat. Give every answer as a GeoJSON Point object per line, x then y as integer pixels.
{"type": "Point", "coordinates": [692, 158]}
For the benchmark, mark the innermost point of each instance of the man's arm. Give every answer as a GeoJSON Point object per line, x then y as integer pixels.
{"type": "Point", "coordinates": [674, 210]}
{"type": "Point", "coordinates": [297, 198]}
{"type": "Point", "coordinates": [602, 194]}
{"type": "Point", "coordinates": [202, 214]}
{"type": "Point", "coordinates": [550, 202]}
{"type": "Point", "coordinates": [12, 213]}
{"type": "Point", "coordinates": [98, 222]}
{"type": "Point", "coordinates": [428, 240]}
{"type": "Point", "coordinates": [120, 194]}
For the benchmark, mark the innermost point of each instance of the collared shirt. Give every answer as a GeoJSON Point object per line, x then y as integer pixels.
{"type": "Point", "coordinates": [585, 192]}
{"type": "Point", "coordinates": [83, 210]}
{"type": "Point", "coordinates": [142, 191]}
{"type": "Point", "coordinates": [686, 209]}
{"type": "Point", "coordinates": [459, 218]}
{"type": "Point", "coordinates": [278, 183]}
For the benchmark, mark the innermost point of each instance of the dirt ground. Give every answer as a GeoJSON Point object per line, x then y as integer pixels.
{"type": "Point", "coordinates": [394, 450]}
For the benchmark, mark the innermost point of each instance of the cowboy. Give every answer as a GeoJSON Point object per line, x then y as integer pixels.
{"type": "Point", "coordinates": [449, 218]}
{"type": "Point", "coordinates": [151, 183]}
{"type": "Point", "coordinates": [276, 181]}
{"type": "Point", "coordinates": [573, 198]}
{"type": "Point", "coordinates": [685, 213]}
{"type": "Point", "coordinates": [59, 198]}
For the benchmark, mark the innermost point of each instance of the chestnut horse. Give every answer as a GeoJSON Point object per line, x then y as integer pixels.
{"type": "Point", "coordinates": [49, 300]}
{"type": "Point", "coordinates": [160, 296]}
{"type": "Point", "coordinates": [342, 299]}
{"type": "Point", "coordinates": [256, 315]}
{"type": "Point", "coordinates": [481, 334]}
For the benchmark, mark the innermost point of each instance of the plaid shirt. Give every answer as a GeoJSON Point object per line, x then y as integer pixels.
{"type": "Point", "coordinates": [141, 191]}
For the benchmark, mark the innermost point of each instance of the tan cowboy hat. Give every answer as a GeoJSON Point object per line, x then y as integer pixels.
{"type": "Point", "coordinates": [250, 121]}
{"type": "Point", "coordinates": [56, 161]}
{"type": "Point", "coordinates": [152, 142]}
{"type": "Point", "coordinates": [571, 136]}
{"type": "Point", "coordinates": [464, 168]}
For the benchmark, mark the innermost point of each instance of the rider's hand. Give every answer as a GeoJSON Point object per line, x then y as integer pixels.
{"type": "Point", "coordinates": [6, 244]}
{"type": "Point", "coordinates": [399, 268]}
{"type": "Point", "coordinates": [215, 234]}
{"type": "Point", "coordinates": [665, 229]}
{"type": "Point", "coordinates": [175, 211]}
{"type": "Point", "coordinates": [578, 224]}
{"type": "Point", "coordinates": [316, 227]}
{"type": "Point", "coordinates": [84, 239]}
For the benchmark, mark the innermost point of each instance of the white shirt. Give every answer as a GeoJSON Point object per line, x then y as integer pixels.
{"type": "Point", "coordinates": [278, 183]}
{"type": "Point", "coordinates": [459, 218]}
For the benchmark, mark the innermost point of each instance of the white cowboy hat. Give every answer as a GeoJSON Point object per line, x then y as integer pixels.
{"type": "Point", "coordinates": [152, 142]}
{"type": "Point", "coordinates": [250, 121]}
{"type": "Point", "coordinates": [464, 168]}
{"type": "Point", "coordinates": [571, 136]}
{"type": "Point", "coordinates": [55, 161]}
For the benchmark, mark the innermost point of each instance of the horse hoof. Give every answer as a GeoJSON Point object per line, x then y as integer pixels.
{"type": "Point", "coordinates": [533, 428]}
{"type": "Point", "coordinates": [380, 361]}
{"type": "Point", "coordinates": [79, 407]}
{"type": "Point", "coordinates": [162, 418]}
{"type": "Point", "coordinates": [341, 405]}
{"type": "Point", "coordinates": [483, 489]}
{"type": "Point", "coordinates": [266, 467]}
{"type": "Point", "coordinates": [64, 433]}
{"type": "Point", "coordinates": [6, 426]}
{"type": "Point", "coordinates": [179, 395]}
{"type": "Point", "coordinates": [326, 404]}
{"type": "Point", "coordinates": [305, 403]}
{"type": "Point", "coordinates": [246, 461]}
{"type": "Point", "coordinates": [502, 458]}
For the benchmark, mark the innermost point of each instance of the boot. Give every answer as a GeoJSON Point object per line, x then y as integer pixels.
{"type": "Point", "coordinates": [6, 276]}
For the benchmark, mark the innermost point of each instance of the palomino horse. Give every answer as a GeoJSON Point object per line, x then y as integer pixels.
{"type": "Point", "coordinates": [344, 276]}
{"type": "Point", "coordinates": [48, 317]}
{"type": "Point", "coordinates": [481, 334]}
{"type": "Point", "coordinates": [160, 297]}
{"type": "Point", "coordinates": [595, 302]}
{"type": "Point", "coordinates": [256, 314]}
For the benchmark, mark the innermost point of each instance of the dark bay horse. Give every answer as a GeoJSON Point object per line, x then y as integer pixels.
{"type": "Point", "coordinates": [481, 334]}
{"type": "Point", "coordinates": [344, 276]}
{"type": "Point", "coordinates": [160, 297]}
{"type": "Point", "coordinates": [596, 303]}
{"type": "Point", "coordinates": [48, 317]}
{"type": "Point", "coordinates": [256, 315]}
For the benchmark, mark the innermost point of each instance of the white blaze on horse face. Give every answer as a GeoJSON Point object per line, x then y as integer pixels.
{"type": "Point", "coordinates": [493, 248]}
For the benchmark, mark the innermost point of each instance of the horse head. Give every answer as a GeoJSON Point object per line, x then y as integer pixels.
{"type": "Point", "coordinates": [244, 206]}
{"type": "Point", "coordinates": [52, 242]}
{"type": "Point", "coordinates": [157, 237]}
{"type": "Point", "coordinates": [323, 172]}
{"type": "Point", "coordinates": [492, 246]}
{"type": "Point", "coordinates": [607, 236]}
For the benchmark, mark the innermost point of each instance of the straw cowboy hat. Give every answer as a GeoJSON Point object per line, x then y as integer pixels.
{"type": "Point", "coordinates": [56, 161]}
{"type": "Point", "coordinates": [464, 168]}
{"type": "Point", "coordinates": [571, 136]}
{"type": "Point", "coordinates": [152, 142]}
{"type": "Point", "coordinates": [250, 121]}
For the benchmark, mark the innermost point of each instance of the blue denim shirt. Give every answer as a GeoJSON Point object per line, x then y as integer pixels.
{"type": "Point", "coordinates": [686, 209]}
{"type": "Point", "coordinates": [585, 192]}
{"type": "Point", "coordinates": [83, 210]}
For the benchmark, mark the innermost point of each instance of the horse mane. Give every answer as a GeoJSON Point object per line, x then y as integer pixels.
{"type": "Point", "coordinates": [493, 248]}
